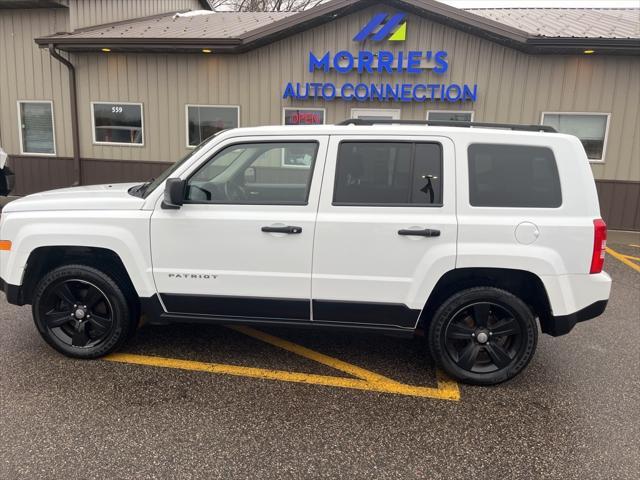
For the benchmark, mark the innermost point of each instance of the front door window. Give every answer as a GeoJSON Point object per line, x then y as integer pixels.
{"type": "Point", "coordinates": [256, 173]}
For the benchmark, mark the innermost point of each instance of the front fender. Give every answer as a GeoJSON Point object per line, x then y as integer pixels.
{"type": "Point", "coordinates": [126, 233]}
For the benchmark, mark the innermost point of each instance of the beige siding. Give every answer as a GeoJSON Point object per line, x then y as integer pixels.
{"type": "Point", "coordinates": [512, 86]}
{"type": "Point", "coordinates": [86, 13]}
{"type": "Point", "coordinates": [30, 74]}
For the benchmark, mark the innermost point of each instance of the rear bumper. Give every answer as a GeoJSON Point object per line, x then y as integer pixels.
{"type": "Point", "coordinates": [13, 292]}
{"type": "Point", "coordinates": [563, 324]}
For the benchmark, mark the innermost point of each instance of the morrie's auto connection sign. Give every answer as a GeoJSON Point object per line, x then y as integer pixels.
{"type": "Point", "coordinates": [414, 62]}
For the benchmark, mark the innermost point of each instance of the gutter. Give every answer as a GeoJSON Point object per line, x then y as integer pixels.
{"type": "Point", "coordinates": [73, 98]}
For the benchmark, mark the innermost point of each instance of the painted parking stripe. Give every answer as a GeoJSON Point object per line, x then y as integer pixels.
{"type": "Point", "coordinates": [626, 259]}
{"type": "Point", "coordinates": [446, 389]}
{"type": "Point", "coordinates": [313, 355]}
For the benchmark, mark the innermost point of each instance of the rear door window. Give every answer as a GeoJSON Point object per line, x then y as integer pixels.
{"type": "Point", "coordinates": [517, 176]}
{"type": "Point", "coordinates": [388, 174]}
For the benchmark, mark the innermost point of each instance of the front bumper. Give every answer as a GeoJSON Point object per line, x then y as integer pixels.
{"type": "Point", "coordinates": [563, 324]}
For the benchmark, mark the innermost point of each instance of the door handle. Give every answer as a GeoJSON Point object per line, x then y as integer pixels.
{"type": "Point", "coordinates": [427, 232]}
{"type": "Point", "coordinates": [286, 229]}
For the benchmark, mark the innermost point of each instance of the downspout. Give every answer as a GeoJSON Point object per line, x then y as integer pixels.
{"type": "Point", "coordinates": [73, 97]}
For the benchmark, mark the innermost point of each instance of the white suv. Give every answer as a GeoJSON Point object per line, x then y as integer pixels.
{"type": "Point", "coordinates": [470, 234]}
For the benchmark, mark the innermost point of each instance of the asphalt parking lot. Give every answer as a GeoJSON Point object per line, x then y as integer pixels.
{"type": "Point", "coordinates": [223, 403]}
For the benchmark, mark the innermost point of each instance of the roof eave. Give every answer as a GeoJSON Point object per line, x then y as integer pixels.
{"type": "Point", "coordinates": [532, 45]}
{"type": "Point", "coordinates": [614, 46]}
{"type": "Point", "coordinates": [219, 45]}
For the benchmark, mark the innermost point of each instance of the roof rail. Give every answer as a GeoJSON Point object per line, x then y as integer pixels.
{"type": "Point", "coordinates": [451, 123]}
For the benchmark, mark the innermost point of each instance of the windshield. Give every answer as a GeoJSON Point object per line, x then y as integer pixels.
{"type": "Point", "coordinates": [153, 184]}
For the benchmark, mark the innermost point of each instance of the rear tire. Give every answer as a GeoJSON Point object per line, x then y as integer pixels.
{"type": "Point", "coordinates": [483, 336]}
{"type": "Point", "coordinates": [82, 312]}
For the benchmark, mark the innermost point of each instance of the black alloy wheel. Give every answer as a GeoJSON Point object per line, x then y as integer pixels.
{"type": "Point", "coordinates": [483, 335]}
{"type": "Point", "coordinates": [81, 311]}
{"type": "Point", "coordinates": [78, 313]}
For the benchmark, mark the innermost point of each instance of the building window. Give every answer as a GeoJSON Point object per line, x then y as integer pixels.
{"type": "Point", "coordinates": [388, 174]}
{"type": "Point", "coordinates": [303, 116]}
{"type": "Point", "coordinates": [375, 113]}
{"type": "Point", "coordinates": [204, 121]}
{"type": "Point", "coordinates": [117, 123]}
{"type": "Point", "coordinates": [516, 176]}
{"type": "Point", "coordinates": [37, 134]}
{"type": "Point", "coordinates": [591, 128]}
{"type": "Point", "coordinates": [450, 116]}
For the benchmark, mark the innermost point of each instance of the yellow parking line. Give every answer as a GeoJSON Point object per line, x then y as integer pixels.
{"type": "Point", "coordinates": [313, 355]}
{"type": "Point", "coordinates": [447, 389]}
{"type": "Point", "coordinates": [624, 259]}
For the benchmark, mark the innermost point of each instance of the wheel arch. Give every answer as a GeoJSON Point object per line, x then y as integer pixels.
{"type": "Point", "coordinates": [524, 284]}
{"type": "Point", "coordinates": [44, 259]}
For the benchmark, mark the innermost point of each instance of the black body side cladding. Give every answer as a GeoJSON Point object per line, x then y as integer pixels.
{"type": "Point", "coordinates": [390, 314]}
{"type": "Point", "coordinates": [227, 306]}
{"type": "Point", "coordinates": [13, 293]}
{"type": "Point", "coordinates": [563, 324]}
{"type": "Point", "coordinates": [155, 314]}
{"type": "Point", "coordinates": [395, 319]}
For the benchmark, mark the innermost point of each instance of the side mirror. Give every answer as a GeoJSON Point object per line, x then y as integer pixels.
{"type": "Point", "coordinates": [174, 193]}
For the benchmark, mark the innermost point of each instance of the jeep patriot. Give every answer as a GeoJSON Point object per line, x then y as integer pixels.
{"type": "Point", "coordinates": [474, 235]}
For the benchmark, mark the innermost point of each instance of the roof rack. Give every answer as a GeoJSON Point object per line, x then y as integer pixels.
{"type": "Point", "coordinates": [451, 123]}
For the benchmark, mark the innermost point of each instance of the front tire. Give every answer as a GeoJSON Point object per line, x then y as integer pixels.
{"type": "Point", "coordinates": [483, 336]}
{"type": "Point", "coordinates": [82, 312]}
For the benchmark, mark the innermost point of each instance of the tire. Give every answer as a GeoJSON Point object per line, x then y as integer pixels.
{"type": "Point", "coordinates": [483, 336]}
{"type": "Point", "coordinates": [82, 312]}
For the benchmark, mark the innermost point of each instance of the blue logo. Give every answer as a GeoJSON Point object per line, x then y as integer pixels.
{"type": "Point", "coordinates": [394, 29]}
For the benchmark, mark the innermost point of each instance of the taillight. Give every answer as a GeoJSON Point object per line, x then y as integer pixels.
{"type": "Point", "coordinates": [599, 245]}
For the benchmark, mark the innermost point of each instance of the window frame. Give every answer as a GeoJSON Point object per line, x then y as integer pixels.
{"type": "Point", "coordinates": [316, 142]}
{"type": "Point", "coordinates": [391, 205]}
{"type": "Point", "coordinates": [472, 112]}
{"type": "Point", "coordinates": [606, 130]}
{"type": "Point", "coordinates": [53, 129]}
{"type": "Point", "coordinates": [186, 118]}
{"type": "Point", "coordinates": [117, 144]}
{"type": "Point", "coordinates": [375, 111]}
{"type": "Point", "coordinates": [320, 109]}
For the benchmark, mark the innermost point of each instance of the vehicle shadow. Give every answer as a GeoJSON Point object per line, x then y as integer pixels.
{"type": "Point", "coordinates": [402, 359]}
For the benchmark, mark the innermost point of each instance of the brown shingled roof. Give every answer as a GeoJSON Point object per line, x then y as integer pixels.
{"type": "Point", "coordinates": [568, 22]}
{"type": "Point", "coordinates": [204, 25]}
{"type": "Point", "coordinates": [533, 30]}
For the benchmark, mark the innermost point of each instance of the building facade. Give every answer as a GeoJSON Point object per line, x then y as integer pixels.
{"type": "Point", "coordinates": [152, 80]}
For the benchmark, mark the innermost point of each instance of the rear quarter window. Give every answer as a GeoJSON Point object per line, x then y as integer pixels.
{"type": "Point", "coordinates": [516, 176]}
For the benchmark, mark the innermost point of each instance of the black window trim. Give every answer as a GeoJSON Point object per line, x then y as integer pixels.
{"type": "Point", "coordinates": [555, 160]}
{"type": "Point", "coordinates": [260, 142]}
{"type": "Point", "coordinates": [392, 205]}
